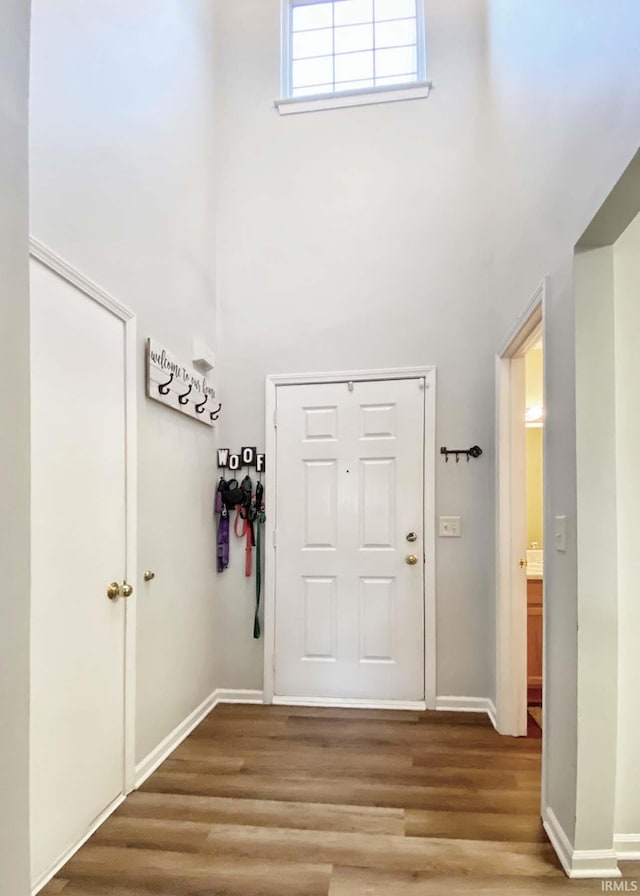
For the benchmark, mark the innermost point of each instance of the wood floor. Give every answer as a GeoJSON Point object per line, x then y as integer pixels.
{"type": "Point", "coordinates": [280, 801]}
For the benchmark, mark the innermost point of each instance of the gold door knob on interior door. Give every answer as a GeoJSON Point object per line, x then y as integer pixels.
{"type": "Point", "coordinates": [522, 564]}
{"type": "Point", "coordinates": [412, 559]}
{"type": "Point", "coordinates": [114, 591]}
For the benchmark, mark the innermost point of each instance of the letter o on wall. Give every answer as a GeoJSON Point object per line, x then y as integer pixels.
{"type": "Point", "coordinates": [248, 457]}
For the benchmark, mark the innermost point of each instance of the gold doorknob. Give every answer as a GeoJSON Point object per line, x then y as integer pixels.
{"type": "Point", "coordinates": [412, 559]}
{"type": "Point", "coordinates": [522, 564]}
{"type": "Point", "coordinates": [114, 591]}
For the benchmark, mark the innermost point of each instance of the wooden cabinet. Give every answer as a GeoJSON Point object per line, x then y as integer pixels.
{"type": "Point", "coordinates": [534, 641]}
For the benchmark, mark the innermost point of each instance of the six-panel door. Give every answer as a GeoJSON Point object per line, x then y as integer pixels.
{"type": "Point", "coordinates": [349, 610]}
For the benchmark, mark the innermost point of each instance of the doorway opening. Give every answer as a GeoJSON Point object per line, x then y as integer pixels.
{"type": "Point", "coordinates": [520, 547]}
{"type": "Point", "coordinates": [534, 460]}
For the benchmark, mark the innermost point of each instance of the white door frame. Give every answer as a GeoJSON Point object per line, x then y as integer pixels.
{"type": "Point", "coordinates": [511, 619]}
{"type": "Point", "coordinates": [299, 379]}
{"type": "Point", "coordinates": [66, 272]}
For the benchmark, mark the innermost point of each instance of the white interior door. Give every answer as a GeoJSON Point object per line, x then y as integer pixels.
{"type": "Point", "coordinates": [349, 608]}
{"type": "Point", "coordinates": [78, 548]}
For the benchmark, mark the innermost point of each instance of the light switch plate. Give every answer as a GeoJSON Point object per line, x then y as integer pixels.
{"type": "Point", "coordinates": [450, 527]}
{"type": "Point", "coordinates": [560, 533]}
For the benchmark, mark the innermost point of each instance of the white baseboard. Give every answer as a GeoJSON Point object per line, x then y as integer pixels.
{"type": "Point", "coordinates": [558, 838]}
{"type": "Point", "coordinates": [627, 847]}
{"type": "Point", "coordinates": [338, 703]}
{"type": "Point", "coordinates": [164, 749]}
{"type": "Point", "coordinates": [579, 863]}
{"type": "Point", "coordinates": [467, 704]}
{"type": "Point", "coordinates": [44, 879]}
{"type": "Point", "coordinates": [227, 695]}
{"type": "Point", "coordinates": [594, 863]}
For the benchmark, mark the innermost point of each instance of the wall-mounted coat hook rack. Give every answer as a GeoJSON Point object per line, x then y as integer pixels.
{"type": "Point", "coordinates": [179, 386]}
{"type": "Point", "coordinates": [474, 451]}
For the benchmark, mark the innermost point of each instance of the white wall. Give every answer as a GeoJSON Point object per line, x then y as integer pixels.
{"type": "Point", "coordinates": [14, 448]}
{"type": "Point", "coordinates": [357, 238]}
{"type": "Point", "coordinates": [122, 187]}
{"type": "Point", "coordinates": [626, 262]}
{"type": "Point", "coordinates": [566, 120]}
{"type": "Point", "coordinates": [596, 548]}
{"type": "Point", "coordinates": [416, 233]}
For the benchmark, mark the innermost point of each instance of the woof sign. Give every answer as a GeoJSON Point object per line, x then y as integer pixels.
{"type": "Point", "coordinates": [247, 457]}
{"type": "Point", "coordinates": [179, 386]}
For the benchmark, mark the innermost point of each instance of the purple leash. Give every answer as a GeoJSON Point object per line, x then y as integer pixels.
{"type": "Point", "coordinates": [223, 531]}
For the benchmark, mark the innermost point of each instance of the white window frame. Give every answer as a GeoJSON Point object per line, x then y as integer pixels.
{"type": "Point", "coordinates": [288, 105]}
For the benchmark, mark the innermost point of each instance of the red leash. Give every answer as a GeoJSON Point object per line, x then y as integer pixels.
{"type": "Point", "coordinates": [245, 532]}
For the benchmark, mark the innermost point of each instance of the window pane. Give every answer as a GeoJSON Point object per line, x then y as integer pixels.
{"type": "Point", "coordinates": [354, 66]}
{"type": "Point", "coordinates": [312, 43]}
{"type": "Point", "coordinates": [353, 12]}
{"type": "Point", "coordinates": [313, 15]}
{"type": "Point", "coordinates": [396, 34]}
{"type": "Point", "coordinates": [354, 85]}
{"type": "Point", "coordinates": [396, 79]}
{"type": "Point", "coordinates": [312, 91]}
{"type": "Point", "coordinates": [395, 62]}
{"type": "Point", "coordinates": [312, 71]}
{"type": "Point", "coordinates": [354, 37]}
{"type": "Point", "coordinates": [394, 9]}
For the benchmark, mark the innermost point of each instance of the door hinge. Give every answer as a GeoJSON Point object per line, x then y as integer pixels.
{"type": "Point", "coordinates": [275, 538]}
{"type": "Point", "coordinates": [275, 419]}
{"type": "Point", "coordinates": [273, 664]}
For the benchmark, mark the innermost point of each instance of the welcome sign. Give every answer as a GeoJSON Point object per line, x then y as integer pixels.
{"type": "Point", "coordinates": [179, 386]}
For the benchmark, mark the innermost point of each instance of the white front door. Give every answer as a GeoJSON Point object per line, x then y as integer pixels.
{"type": "Point", "coordinates": [78, 548]}
{"type": "Point", "coordinates": [349, 608]}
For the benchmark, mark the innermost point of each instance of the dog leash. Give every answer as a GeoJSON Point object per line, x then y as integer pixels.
{"type": "Point", "coordinates": [259, 518]}
{"type": "Point", "coordinates": [243, 515]}
{"type": "Point", "coordinates": [222, 540]}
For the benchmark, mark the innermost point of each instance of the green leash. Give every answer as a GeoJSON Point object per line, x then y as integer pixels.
{"type": "Point", "coordinates": [259, 520]}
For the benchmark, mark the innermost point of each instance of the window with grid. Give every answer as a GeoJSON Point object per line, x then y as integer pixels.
{"type": "Point", "coordinates": [333, 46]}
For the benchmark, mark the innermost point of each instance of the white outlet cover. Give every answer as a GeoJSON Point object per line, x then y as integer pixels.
{"type": "Point", "coordinates": [449, 527]}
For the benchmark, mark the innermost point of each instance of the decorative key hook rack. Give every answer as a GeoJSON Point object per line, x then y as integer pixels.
{"type": "Point", "coordinates": [474, 451]}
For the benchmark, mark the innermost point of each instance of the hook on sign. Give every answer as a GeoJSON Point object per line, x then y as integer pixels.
{"type": "Point", "coordinates": [163, 388]}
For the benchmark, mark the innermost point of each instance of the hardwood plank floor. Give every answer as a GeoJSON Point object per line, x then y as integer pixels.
{"type": "Point", "coordinates": [283, 801]}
